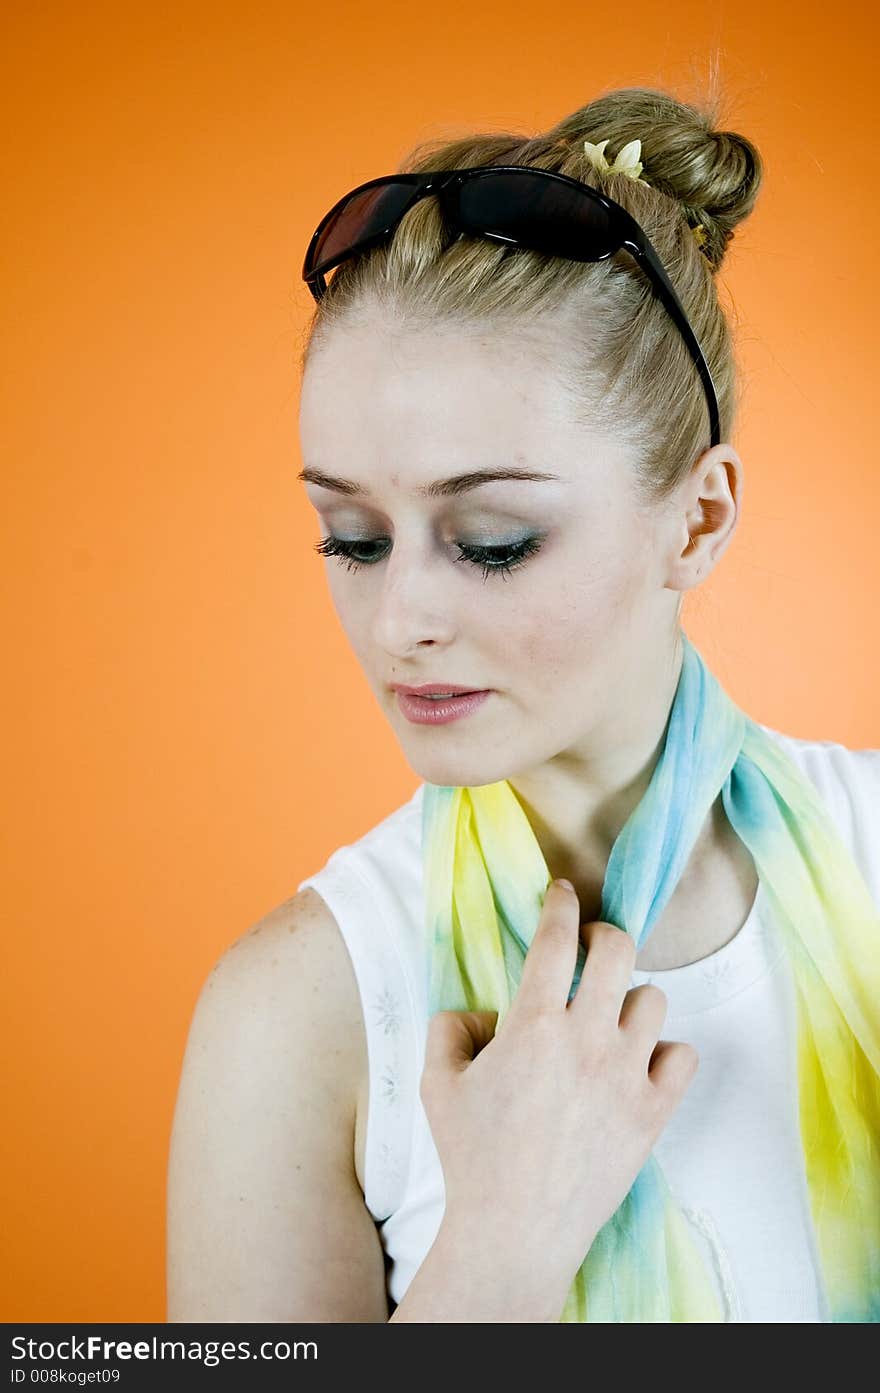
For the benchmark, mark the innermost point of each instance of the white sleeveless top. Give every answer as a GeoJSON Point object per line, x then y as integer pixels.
{"type": "Point", "coordinates": [731, 1151]}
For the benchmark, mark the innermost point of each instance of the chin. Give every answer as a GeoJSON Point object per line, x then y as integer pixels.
{"type": "Point", "coordinates": [457, 770]}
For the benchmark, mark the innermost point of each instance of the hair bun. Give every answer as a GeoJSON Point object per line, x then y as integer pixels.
{"type": "Point", "coordinates": [713, 174]}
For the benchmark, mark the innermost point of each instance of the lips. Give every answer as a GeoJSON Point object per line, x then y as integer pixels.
{"type": "Point", "coordinates": [430, 688]}
{"type": "Point", "coordinates": [424, 710]}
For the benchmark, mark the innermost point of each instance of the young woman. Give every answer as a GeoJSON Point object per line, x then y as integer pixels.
{"type": "Point", "coordinates": [432, 1085]}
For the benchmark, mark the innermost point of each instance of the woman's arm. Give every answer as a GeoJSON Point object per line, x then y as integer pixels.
{"type": "Point", "coordinates": [266, 1218]}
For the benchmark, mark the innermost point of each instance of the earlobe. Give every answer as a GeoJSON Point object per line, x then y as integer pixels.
{"type": "Point", "coordinates": [685, 570]}
{"type": "Point", "coordinates": [708, 517]}
{"type": "Point", "coordinates": [692, 543]}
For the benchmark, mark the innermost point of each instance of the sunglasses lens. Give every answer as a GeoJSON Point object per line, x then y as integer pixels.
{"type": "Point", "coordinates": [368, 214]}
{"type": "Point", "coordinates": [540, 213]}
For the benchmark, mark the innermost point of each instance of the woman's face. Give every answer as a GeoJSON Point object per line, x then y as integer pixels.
{"type": "Point", "coordinates": [571, 639]}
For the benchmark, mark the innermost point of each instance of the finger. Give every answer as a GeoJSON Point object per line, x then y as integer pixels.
{"type": "Point", "coordinates": [672, 1066]}
{"type": "Point", "coordinates": [552, 954]}
{"type": "Point", "coordinates": [455, 1038]}
{"type": "Point", "coordinates": [607, 973]}
{"type": "Point", "coordinates": [644, 1011]}
{"type": "Point", "coordinates": [641, 1020]}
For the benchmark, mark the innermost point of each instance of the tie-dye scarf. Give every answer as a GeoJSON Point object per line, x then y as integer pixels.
{"type": "Point", "coordinates": [485, 881]}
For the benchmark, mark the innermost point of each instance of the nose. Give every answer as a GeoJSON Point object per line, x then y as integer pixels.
{"type": "Point", "coordinates": [415, 604]}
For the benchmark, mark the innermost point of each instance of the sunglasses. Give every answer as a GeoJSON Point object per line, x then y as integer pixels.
{"type": "Point", "coordinates": [519, 206]}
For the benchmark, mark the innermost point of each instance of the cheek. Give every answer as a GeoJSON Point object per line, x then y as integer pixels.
{"type": "Point", "coordinates": [553, 643]}
{"type": "Point", "coordinates": [352, 606]}
{"type": "Point", "coordinates": [349, 593]}
{"type": "Point", "coordinates": [574, 619]}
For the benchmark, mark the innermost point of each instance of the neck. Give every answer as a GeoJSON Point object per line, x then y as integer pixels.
{"type": "Point", "coordinates": [578, 802]}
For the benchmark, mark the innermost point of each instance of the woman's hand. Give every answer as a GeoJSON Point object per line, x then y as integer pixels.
{"type": "Point", "coordinates": [542, 1127]}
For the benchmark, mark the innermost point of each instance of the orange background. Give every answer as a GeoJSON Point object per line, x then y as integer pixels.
{"type": "Point", "coordinates": [188, 734]}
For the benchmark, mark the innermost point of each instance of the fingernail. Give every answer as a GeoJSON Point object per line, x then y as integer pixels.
{"type": "Point", "coordinates": [565, 883]}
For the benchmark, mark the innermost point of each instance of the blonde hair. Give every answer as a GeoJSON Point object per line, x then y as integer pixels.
{"type": "Point", "coordinates": [616, 350]}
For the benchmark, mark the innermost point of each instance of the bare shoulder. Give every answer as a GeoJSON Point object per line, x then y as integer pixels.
{"type": "Point", "coordinates": [297, 946]}
{"type": "Point", "coordinates": [289, 977]}
{"type": "Point", "coordinates": [266, 1216]}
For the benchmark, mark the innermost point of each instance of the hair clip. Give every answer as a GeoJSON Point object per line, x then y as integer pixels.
{"type": "Point", "coordinates": [627, 161]}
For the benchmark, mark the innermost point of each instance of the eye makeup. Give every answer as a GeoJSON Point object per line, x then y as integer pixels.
{"type": "Point", "coordinates": [499, 558]}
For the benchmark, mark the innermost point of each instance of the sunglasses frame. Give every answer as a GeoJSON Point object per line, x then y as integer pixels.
{"type": "Point", "coordinates": [625, 233]}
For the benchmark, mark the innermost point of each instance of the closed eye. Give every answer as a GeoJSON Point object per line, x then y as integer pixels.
{"type": "Point", "coordinates": [503, 558]}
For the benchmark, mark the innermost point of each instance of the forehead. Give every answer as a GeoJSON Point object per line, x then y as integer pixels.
{"type": "Point", "coordinates": [415, 406]}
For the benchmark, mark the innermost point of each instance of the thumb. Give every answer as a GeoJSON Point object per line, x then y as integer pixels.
{"type": "Point", "coordinates": [455, 1038]}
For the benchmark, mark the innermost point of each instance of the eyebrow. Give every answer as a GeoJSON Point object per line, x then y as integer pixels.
{"type": "Point", "coordinates": [440, 488]}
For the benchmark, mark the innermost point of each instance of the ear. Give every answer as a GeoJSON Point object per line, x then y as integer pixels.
{"type": "Point", "coordinates": [704, 515]}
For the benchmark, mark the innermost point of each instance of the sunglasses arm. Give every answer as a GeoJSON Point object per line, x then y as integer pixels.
{"type": "Point", "coordinates": [651, 263]}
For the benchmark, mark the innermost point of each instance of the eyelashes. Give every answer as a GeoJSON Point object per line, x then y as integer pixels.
{"type": "Point", "coordinates": [495, 559]}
